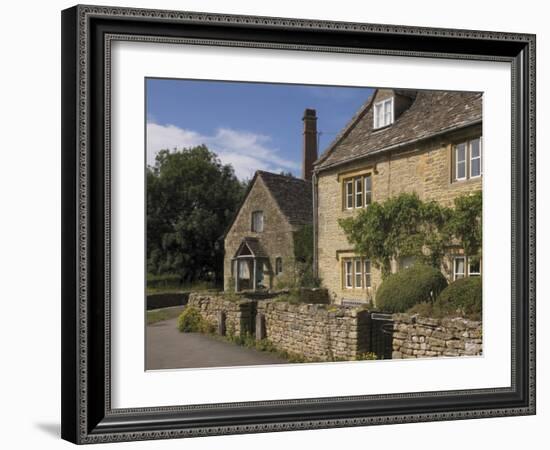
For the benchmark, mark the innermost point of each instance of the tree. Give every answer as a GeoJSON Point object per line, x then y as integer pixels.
{"type": "Point", "coordinates": [406, 226]}
{"type": "Point", "coordinates": [191, 199]}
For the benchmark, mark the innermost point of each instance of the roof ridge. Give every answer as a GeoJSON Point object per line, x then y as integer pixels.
{"type": "Point", "coordinates": [347, 128]}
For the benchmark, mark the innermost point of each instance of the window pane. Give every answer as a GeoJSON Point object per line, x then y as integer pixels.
{"type": "Point", "coordinates": [349, 194]}
{"type": "Point", "coordinates": [460, 161]}
{"type": "Point", "coordinates": [475, 149]}
{"type": "Point", "coordinates": [358, 192]}
{"type": "Point", "coordinates": [358, 274]}
{"type": "Point", "coordinates": [348, 269]}
{"type": "Point", "coordinates": [387, 112]}
{"type": "Point", "coordinates": [257, 221]}
{"type": "Point", "coordinates": [475, 167]}
{"type": "Point", "coordinates": [367, 273]}
{"type": "Point", "coordinates": [460, 152]}
{"type": "Point", "coordinates": [459, 268]}
{"type": "Point", "coordinates": [377, 115]}
{"type": "Point", "coordinates": [461, 170]}
{"type": "Point", "coordinates": [474, 269]}
{"type": "Point", "coordinates": [368, 189]}
{"type": "Point", "coordinates": [244, 272]}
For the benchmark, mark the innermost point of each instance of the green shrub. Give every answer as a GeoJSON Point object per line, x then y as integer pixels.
{"type": "Point", "coordinates": [190, 320]}
{"type": "Point", "coordinates": [408, 287]}
{"type": "Point", "coordinates": [462, 298]}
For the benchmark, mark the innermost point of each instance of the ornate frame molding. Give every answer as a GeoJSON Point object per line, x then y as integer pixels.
{"type": "Point", "coordinates": [85, 421]}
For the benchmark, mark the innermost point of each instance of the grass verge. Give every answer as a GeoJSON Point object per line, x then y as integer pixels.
{"type": "Point", "coordinates": [158, 315]}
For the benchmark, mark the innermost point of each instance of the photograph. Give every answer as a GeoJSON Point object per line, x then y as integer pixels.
{"type": "Point", "coordinates": [293, 223]}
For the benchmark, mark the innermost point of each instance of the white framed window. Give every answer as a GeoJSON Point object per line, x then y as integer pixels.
{"type": "Point", "coordinates": [358, 273]}
{"type": "Point", "coordinates": [349, 194]}
{"type": "Point", "coordinates": [459, 267]}
{"type": "Point", "coordinates": [474, 268]}
{"type": "Point", "coordinates": [460, 161]}
{"type": "Point", "coordinates": [464, 266]}
{"type": "Point", "coordinates": [258, 221]}
{"type": "Point", "coordinates": [368, 190]}
{"type": "Point", "coordinates": [359, 192]}
{"type": "Point", "coordinates": [383, 113]}
{"type": "Point", "coordinates": [367, 273]}
{"type": "Point", "coordinates": [278, 265]}
{"type": "Point", "coordinates": [475, 158]}
{"type": "Point", "coordinates": [468, 162]}
{"type": "Point", "coordinates": [348, 274]}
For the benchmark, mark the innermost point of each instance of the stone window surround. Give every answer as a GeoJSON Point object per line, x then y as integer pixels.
{"type": "Point", "coordinates": [467, 267]}
{"type": "Point", "coordinates": [467, 160]}
{"type": "Point", "coordinates": [349, 277]}
{"type": "Point", "coordinates": [257, 226]}
{"type": "Point", "coordinates": [351, 180]}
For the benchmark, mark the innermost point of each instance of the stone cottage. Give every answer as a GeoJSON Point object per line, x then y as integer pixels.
{"type": "Point", "coordinates": [259, 243]}
{"type": "Point", "coordinates": [427, 142]}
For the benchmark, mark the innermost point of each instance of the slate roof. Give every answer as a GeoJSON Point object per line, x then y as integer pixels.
{"type": "Point", "coordinates": [293, 196]}
{"type": "Point", "coordinates": [430, 114]}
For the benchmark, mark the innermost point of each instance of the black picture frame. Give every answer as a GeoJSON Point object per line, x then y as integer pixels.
{"type": "Point", "coordinates": [87, 416]}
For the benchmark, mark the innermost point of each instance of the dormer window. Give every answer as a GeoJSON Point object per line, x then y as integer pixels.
{"type": "Point", "coordinates": [383, 113]}
{"type": "Point", "coordinates": [258, 221]}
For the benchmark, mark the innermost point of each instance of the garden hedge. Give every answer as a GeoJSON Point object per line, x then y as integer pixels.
{"type": "Point", "coordinates": [408, 287]}
{"type": "Point", "coordinates": [462, 297]}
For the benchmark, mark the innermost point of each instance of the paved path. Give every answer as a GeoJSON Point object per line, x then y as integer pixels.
{"type": "Point", "coordinates": [167, 348]}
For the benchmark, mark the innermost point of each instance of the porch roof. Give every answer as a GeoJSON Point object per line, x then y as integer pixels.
{"type": "Point", "coordinates": [253, 246]}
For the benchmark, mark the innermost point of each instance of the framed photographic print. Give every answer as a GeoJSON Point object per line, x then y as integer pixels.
{"type": "Point", "coordinates": [280, 224]}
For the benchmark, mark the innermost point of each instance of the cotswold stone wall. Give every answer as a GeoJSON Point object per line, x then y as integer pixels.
{"type": "Point", "coordinates": [229, 316]}
{"type": "Point", "coordinates": [421, 337]}
{"type": "Point", "coordinates": [317, 332]}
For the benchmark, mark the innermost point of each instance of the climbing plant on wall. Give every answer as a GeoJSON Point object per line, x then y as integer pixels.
{"type": "Point", "coordinates": [404, 225]}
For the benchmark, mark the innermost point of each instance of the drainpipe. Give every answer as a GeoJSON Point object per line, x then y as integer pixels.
{"type": "Point", "coordinates": [315, 225]}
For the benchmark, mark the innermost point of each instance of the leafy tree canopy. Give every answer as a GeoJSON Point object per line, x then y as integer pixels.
{"type": "Point", "coordinates": [191, 199]}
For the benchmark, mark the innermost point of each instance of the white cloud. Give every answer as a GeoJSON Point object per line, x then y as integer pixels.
{"type": "Point", "coordinates": [245, 151]}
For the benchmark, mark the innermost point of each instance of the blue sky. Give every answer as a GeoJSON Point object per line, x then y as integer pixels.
{"type": "Point", "coordinates": [249, 125]}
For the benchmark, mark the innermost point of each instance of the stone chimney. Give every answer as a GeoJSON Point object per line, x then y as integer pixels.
{"type": "Point", "coordinates": [309, 151]}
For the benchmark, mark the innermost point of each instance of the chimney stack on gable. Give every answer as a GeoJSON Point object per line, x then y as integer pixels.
{"type": "Point", "coordinates": [309, 151]}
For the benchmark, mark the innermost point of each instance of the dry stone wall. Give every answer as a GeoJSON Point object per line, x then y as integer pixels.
{"type": "Point", "coordinates": [420, 337]}
{"type": "Point", "coordinates": [230, 315]}
{"type": "Point", "coordinates": [317, 332]}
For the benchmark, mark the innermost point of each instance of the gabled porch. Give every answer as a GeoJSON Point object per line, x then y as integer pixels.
{"type": "Point", "coordinates": [250, 266]}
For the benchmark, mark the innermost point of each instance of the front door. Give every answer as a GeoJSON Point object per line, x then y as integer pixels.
{"type": "Point", "coordinates": [260, 275]}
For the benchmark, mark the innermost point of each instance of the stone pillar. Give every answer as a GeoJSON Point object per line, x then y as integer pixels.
{"type": "Point", "coordinates": [221, 323]}
{"type": "Point", "coordinates": [254, 274]}
{"type": "Point", "coordinates": [260, 327]}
